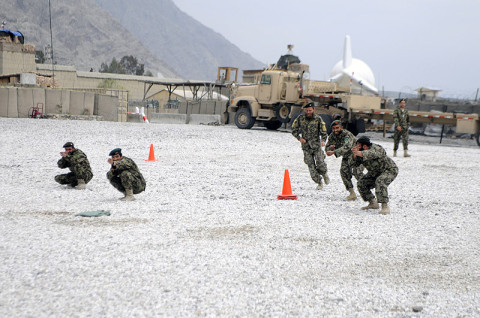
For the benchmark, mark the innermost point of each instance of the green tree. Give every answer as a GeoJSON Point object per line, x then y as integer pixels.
{"type": "Point", "coordinates": [127, 65]}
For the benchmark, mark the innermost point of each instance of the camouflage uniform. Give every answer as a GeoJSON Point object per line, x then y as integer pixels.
{"type": "Point", "coordinates": [79, 166]}
{"type": "Point", "coordinates": [124, 174]}
{"type": "Point", "coordinates": [381, 172]}
{"type": "Point", "coordinates": [344, 142]}
{"type": "Point", "coordinates": [402, 119]}
{"type": "Point", "coordinates": [311, 129]}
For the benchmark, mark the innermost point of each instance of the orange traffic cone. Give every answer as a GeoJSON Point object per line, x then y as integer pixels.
{"type": "Point", "coordinates": [151, 156]}
{"type": "Point", "coordinates": [287, 189]}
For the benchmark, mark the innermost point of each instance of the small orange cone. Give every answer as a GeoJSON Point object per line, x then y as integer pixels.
{"type": "Point", "coordinates": [287, 189]}
{"type": "Point", "coordinates": [151, 156]}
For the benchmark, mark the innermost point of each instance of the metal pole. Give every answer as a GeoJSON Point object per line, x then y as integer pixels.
{"type": "Point", "coordinates": [51, 44]}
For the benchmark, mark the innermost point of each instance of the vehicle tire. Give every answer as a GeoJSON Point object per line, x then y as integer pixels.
{"type": "Point", "coordinates": [272, 125]}
{"type": "Point", "coordinates": [282, 111]}
{"type": "Point", "coordinates": [356, 126]}
{"type": "Point", "coordinates": [244, 119]}
{"type": "Point", "coordinates": [478, 138]}
{"type": "Point", "coordinates": [328, 121]}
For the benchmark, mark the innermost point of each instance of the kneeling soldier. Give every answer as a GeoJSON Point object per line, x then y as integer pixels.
{"type": "Point", "coordinates": [381, 172]}
{"type": "Point", "coordinates": [124, 175]}
{"type": "Point", "coordinates": [77, 162]}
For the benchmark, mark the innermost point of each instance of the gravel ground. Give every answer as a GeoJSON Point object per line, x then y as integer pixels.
{"type": "Point", "coordinates": [209, 238]}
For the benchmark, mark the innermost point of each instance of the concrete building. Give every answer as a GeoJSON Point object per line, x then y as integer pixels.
{"type": "Point", "coordinates": [427, 94]}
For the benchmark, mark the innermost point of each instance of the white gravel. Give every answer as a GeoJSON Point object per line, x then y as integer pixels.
{"type": "Point", "coordinates": [209, 237]}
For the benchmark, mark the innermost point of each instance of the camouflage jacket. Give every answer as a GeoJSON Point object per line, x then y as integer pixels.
{"type": "Point", "coordinates": [343, 142]}
{"type": "Point", "coordinates": [311, 129]}
{"type": "Point", "coordinates": [401, 118]}
{"type": "Point", "coordinates": [376, 161]}
{"type": "Point", "coordinates": [76, 157]}
{"type": "Point", "coordinates": [125, 164]}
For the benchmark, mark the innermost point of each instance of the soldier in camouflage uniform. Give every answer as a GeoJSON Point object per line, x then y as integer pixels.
{"type": "Point", "coordinates": [75, 160]}
{"type": "Point", "coordinates": [381, 172]}
{"type": "Point", "coordinates": [340, 143]}
{"type": "Point", "coordinates": [401, 122]}
{"type": "Point", "coordinates": [308, 128]}
{"type": "Point", "coordinates": [124, 175]}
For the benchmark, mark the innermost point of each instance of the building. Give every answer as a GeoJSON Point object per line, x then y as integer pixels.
{"type": "Point", "coordinates": [427, 94]}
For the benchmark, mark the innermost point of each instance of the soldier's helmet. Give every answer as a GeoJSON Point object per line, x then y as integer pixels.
{"type": "Point", "coordinates": [364, 140]}
{"type": "Point", "coordinates": [68, 144]}
{"type": "Point", "coordinates": [116, 151]}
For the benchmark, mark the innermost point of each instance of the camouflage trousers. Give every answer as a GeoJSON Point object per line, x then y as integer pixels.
{"type": "Point", "coordinates": [72, 177]}
{"type": "Point", "coordinates": [126, 180]}
{"type": "Point", "coordinates": [403, 134]}
{"type": "Point", "coordinates": [347, 170]}
{"type": "Point", "coordinates": [314, 158]}
{"type": "Point", "coordinates": [379, 182]}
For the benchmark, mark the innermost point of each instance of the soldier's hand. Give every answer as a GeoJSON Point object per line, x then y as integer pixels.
{"type": "Point", "coordinates": [63, 154]}
{"type": "Point", "coordinates": [323, 144]}
{"type": "Point", "coordinates": [399, 128]}
{"type": "Point", "coordinates": [330, 152]}
{"type": "Point", "coordinates": [302, 140]}
{"type": "Point", "coordinates": [110, 160]}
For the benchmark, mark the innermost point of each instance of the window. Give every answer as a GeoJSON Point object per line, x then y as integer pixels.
{"type": "Point", "coordinates": [266, 79]}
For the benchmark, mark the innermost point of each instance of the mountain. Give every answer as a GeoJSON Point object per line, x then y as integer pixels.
{"type": "Point", "coordinates": [192, 49]}
{"type": "Point", "coordinates": [87, 33]}
{"type": "Point", "coordinates": [84, 34]}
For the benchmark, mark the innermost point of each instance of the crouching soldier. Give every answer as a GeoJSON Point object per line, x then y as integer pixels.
{"type": "Point", "coordinates": [124, 175]}
{"type": "Point", "coordinates": [381, 172]}
{"type": "Point", "coordinates": [80, 172]}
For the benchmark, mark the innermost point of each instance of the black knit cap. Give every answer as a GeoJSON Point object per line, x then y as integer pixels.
{"type": "Point", "coordinates": [69, 144]}
{"type": "Point", "coordinates": [364, 140]}
{"type": "Point", "coordinates": [116, 151]}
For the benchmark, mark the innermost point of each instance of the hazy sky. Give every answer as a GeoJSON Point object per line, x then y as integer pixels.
{"type": "Point", "coordinates": [407, 43]}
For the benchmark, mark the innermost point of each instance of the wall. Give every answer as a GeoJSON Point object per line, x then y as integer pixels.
{"type": "Point", "coordinates": [19, 102]}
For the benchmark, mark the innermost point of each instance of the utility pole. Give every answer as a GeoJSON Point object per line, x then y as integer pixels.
{"type": "Point", "coordinates": [51, 44]}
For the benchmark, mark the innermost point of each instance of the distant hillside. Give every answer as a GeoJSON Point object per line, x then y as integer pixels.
{"type": "Point", "coordinates": [189, 47]}
{"type": "Point", "coordinates": [84, 34]}
{"type": "Point", "coordinates": [161, 36]}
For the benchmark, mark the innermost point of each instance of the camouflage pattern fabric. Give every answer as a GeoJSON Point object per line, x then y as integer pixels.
{"type": "Point", "coordinates": [344, 142]}
{"type": "Point", "coordinates": [313, 130]}
{"type": "Point", "coordinates": [125, 174]}
{"type": "Point", "coordinates": [79, 166]}
{"type": "Point", "coordinates": [402, 119]}
{"type": "Point", "coordinates": [381, 172]}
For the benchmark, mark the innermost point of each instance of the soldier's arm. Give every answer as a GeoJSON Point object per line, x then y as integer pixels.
{"type": "Point", "coordinates": [62, 163]}
{"type": "Point", "coordinates": [296, 129]}
{"type": "Point", "coordinates": [395, 118]}
{"type": "Point", "coordinates": [323, 130]}
{"type": "Point", "coordinates": [123, 164]}
{"type": "Point", "coordinates": [373, 153]}
{"type": "Point", "coordinates": [347, 146]}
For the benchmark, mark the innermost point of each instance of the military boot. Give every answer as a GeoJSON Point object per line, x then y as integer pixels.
{"type": "Point", "coordinates": [372, 204]}
{"type": "Point", "coordinates": [352, 196]}
{"type": "Point", "coordinates": [319, 186]}
{"type": "Point", "coordinates": [326, 178]}
{"type": "Point", "coordinates": [385, 209]}
{"type": "Point", "coordinates": [128, 195]}
{"type": "Point", "coordinates": [81, 184]}
{"type": "Point", "coordinates": [405, 153]}
{"type": "Point", "coordinates": [394, 153]}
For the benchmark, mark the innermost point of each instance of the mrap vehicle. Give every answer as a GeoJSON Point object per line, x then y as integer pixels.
{"type": "Point", "coordinates": [277, 95]}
